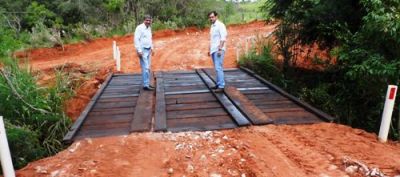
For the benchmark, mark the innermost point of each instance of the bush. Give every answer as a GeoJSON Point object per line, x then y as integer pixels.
{"type": "Point", "coordinates": [24, 145]}
{"type": "Point", "coordinates": [263, 63]}
{"type": "Point", "coordinates": [34, 111]}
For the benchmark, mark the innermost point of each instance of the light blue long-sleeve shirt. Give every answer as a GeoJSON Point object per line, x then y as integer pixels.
{"type": "Point", "coordinates": [143, 37]}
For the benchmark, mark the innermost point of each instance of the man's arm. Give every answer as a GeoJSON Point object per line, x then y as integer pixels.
{"type": "Point", "coordinates": [138, 47]}
{"type": "Point", "coordinates": [223, 34]}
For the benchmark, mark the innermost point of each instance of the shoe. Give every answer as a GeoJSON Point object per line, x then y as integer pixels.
{"type": "Point", "coordinates": [215, 87]}
{"type": "Point", "coordinates": [148, 88]}
{"type": "Point", "coordinates": [219, 90]}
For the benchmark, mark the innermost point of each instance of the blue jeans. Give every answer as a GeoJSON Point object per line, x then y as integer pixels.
{"type": "Point", "coordinates": [219, 69]}
{"type": "Point", "coordinates": [145, 63]}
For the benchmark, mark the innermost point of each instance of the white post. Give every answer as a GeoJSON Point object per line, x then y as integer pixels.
{"type": "Point", "coordinates": [247, 46]}
{"type": "Point", "coordinates": [118, 59]}
{"type": "Point", "coordinates": [5, 156]}
{"type": "Point", "coordinates": [387, 113]}
{"type": "Point", "coordinates": [237, 54]}
{"type": "Point", "coordinates": [114, 50]}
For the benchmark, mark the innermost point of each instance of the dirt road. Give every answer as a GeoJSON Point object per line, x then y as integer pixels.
{"type": "Point", "coordinates": [320, 150]}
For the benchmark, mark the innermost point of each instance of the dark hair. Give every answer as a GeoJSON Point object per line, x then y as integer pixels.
{"type": "Point", "coordinates": [147, 17]}
{"type": "Point", "coordinates": [212, 12]}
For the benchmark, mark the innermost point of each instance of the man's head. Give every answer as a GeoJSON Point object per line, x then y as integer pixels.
{"type": "Point", "coordinates": [213, 16]}
{"type": "Point", "coordinates": [147, 20]}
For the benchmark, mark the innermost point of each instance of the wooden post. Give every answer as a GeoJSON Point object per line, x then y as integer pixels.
{"type": "Point", "coordinates": [118, 59]}
{"type": "Point", "coordinates": [114, 50]}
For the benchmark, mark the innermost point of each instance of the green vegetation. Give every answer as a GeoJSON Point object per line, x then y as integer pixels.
{"type": "Point", "coordinates": [35, 121]}
{"type": "Point", "coordinates": [243, 12]}
{"type": "Point", "coordinates": [363, 36]}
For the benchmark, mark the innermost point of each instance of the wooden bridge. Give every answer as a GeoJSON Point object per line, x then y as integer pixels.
{"type": "Point", "coordinates": [184, 101]}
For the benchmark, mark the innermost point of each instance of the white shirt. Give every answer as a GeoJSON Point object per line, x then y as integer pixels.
{"type": "Point", "coordinates": [143, 37]}
{"type": "Point", "coordinates": [218, 33]}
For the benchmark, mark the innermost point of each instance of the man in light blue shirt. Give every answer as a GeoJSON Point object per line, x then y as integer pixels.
{"type": "Point", "coordinates": [144, 48]}
{"type": "Point", "coordinates": [218, 35]}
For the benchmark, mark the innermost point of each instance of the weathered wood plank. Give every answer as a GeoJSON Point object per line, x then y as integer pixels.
{"type": "Point", "coordinates": [113, 111]}
{"type": "Point", "coordinates": [209, 112]}
{"type": "Point", "coordinates": [193, 99]}
{"type": "Point", "coordinates": [105, 126]}
{"type": "Point", "coordinates": [94, 120]}
{"type": "Point", "coordinates": [117, 99]}
{"type": "Point", "coordinates": [106, 105]}
{"type": "Point", "coordinates": [101, 133]}
{"type": "Point", "coordinates": [160, 120]}
{"type": "Point", "coordinates": [187, 92]}
{"type": "Point", "coordinates": [180, 107]}
{"type": "Point", "coordinates": [143, 112]}
{"type": "Point", "coordinates": [239, 118]}
{"type": "Point", "coordinates": [68, 138]}
{"type": "Point", "coordinates": [255, 115]}
{"type": "Point", "coordinates": [291, 97]}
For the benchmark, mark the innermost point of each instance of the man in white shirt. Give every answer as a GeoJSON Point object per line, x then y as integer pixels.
{"type": "Point", "coordinates": [218, 35]}
{"type": "Point", "coordinates": [144, 48]}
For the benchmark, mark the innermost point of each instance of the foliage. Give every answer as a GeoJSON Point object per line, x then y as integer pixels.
{"type": "Point", "coordinates": [30, 109]}
{"type": "Point", "coordinates": [364, 36]}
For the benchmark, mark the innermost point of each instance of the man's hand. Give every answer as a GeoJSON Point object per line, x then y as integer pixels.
{"type": "Point", "coordinates": [208, 53]}
{"type": "Point", "coordinates": [153, 52]}
{"type": "Point", "coordinates": [140, 54]}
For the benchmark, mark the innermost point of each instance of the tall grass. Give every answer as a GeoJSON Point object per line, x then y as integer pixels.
{"type": "Point", "coordinates": [35, 121]}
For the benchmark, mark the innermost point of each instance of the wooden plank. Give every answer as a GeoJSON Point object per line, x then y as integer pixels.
{"type": "Point", "coordinates": [117, 88]}
{"type": "Point", "coordinates": [209, 112]}
{"type": "Point", "coordinates": [122, 92]}
{"type": "Point", "coordinates": [182, 81]}
{"type": "Point", "coordinates": [131, 103]}
{"type": "Point", "coordinates": [120, 96]}
{"type": "Point", "coordinates": [143, 112]}
{"type": "Point", "coordinates": [126, 74]}
{"type": "Point", "coordinates": [116, 99]}
{"type": "Point", "coordinates": [105, 126]}
{"type": "Point", "coordinates": [254, 89]}
{"type": "Point", "coordinates": [255, 115]}
{"type": "Point", "coordinates": [199, 122]}
{"type": "Point", "coordinates": [278, 106]}
{"type": "Point", "coordinates": [286, 109]}
{"type": "Point", "coordinates": [204, 128]}
{"type": "Point", "coordinates": [68, 138]}
{"type": "Point", "coordinates": [293, 115]}
{"type": "Point", "coordinates": [114, 111]}
{"type": "Point", "coordinates": [160, 120]}
{"type": "Point", "coordinates": [102, 133]}
{"type": "Point", "coordinates": [187, 92]}
{"type": "Point", "coordinates": [239, 118]}
{"type": "Point", "coordinates": [192, 96]}
{"type": "Point", "coordinates": [291, 97]}
{"type": "Point", "coordinates": [189, 100]}
{"type": "Point", "coordinates": [181, 84]}
{"type": "Point", "coordinates": [184, 88]}
{"type": "Point", "coordinates": [266, 96]}
{"type": "Point", "coordinates": [267, 100]}
{"type": "Point", "coordinates": [95, 120]}
{"type": "Point", "coordinates": [179, 107]}
{"type": "Point", "coordinates": [276, 102]}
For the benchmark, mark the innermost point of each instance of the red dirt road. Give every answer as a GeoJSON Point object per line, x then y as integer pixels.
{"type": "Point", "coordinates": [320, 150]}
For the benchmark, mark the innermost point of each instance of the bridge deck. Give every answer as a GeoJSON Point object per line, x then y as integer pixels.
{"type": "Point", "coordinates": [184, 101]}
